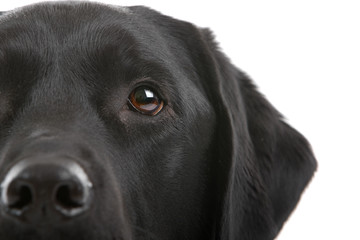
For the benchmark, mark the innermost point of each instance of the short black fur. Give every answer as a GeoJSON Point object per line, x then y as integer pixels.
{"type": "Point", "coordinates": [218, 162]}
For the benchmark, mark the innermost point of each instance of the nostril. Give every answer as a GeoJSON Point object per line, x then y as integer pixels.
{"type": "Point", "coordinates": [22, 199]}
{"type": "Point", "coordinates": [19, 197]}
{"type": "Point", "coordinates": [68, 197]}
{"type": "Point", "coordinates": [71, 198]}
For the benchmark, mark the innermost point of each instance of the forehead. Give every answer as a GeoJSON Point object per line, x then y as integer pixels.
{"type": "Point", "coordinates": [61, 22]}
{"type": "Point", "coordinates": [85, 34]}
{"type": "Point", "coordinates": [76, 52]}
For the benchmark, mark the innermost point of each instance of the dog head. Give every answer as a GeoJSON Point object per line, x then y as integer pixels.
{"type": "Point", "coordinates": [122, 123]}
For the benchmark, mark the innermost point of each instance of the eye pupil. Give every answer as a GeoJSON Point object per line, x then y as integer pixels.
{"type": "Point", "coordinates": [144, 96]}
{"type": "Point", "coordinates": [145, 101]}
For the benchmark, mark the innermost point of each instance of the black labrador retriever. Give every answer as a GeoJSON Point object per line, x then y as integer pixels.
{"type": "Point", "coordinates": [122, 123]}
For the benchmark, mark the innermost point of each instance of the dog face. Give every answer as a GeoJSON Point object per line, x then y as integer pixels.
{"type": "Point", "coordinates": [122, 123]}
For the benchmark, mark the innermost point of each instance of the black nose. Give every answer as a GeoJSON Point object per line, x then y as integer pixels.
{"type": "Point", "coordinates": [45, 190]}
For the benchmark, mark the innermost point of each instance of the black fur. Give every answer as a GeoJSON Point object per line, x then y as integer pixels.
{"type": "Point", "coordinates": [218, 162]}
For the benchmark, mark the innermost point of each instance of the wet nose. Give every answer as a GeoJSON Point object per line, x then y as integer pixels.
{"type": "Point", "coordinates": [46, 190]}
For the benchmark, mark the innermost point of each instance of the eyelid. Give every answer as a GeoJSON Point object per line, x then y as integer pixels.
{"type": "Point", "coordinates": [159, 88]}
{"type": "Point", "coordinates": [152, 84]}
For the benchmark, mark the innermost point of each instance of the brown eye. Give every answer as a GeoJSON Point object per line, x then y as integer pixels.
{"type": "Point", "coordinates": [146, 101]}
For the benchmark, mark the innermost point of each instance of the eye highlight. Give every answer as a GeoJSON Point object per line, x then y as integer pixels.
{"type": "Point", "coordinates": [145, 100]}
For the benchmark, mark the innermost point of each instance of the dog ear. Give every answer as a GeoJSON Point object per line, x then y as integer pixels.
{"type": "Point", "coordinates": [260, 165]}
{"type": "Point", "coordinates": [264, 163]}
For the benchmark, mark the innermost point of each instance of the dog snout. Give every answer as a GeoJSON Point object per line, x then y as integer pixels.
{"type": "Point", "coordinates": [46, 189]}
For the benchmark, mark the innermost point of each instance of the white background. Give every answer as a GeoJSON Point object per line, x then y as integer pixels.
{"type": "Point", "coordinates": [305, 56]}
